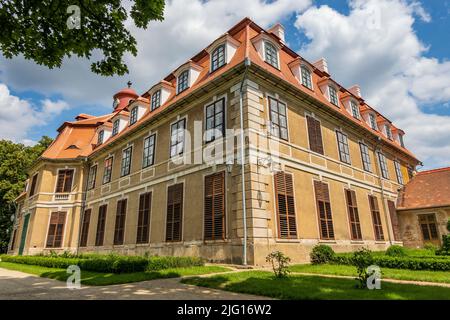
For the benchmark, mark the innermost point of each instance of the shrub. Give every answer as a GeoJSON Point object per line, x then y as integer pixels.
{"type": "Point", "coordinates": [430, 247]}
{"type": "Point", "coordinates": [321, 254]}
{"type": "Point", "coordinates": [159, 263]}
{"type": "Point", "coordinates": [445, 249]}
{"type": "Point", "coordinates": [448, 225]}
{"type": "Point", "coordinates": [396, 251]}
{"type": "Point", "coordinates": [279, 263]}
{"type": "Point", "coordinates": [362, 259]}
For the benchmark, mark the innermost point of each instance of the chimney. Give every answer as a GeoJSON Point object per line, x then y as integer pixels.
{"type": "Point", "coordinates": [356, 90]}
{"type": "Point", "coordinates": [278, 30]}
{"type": "Point", "coordinates": [322, 65]}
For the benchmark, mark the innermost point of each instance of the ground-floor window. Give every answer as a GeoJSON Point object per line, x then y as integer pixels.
{"type": "Point", "coordinates": [100, 234]}
{"type": "Point", "coordinates": [85, 228]}
{"type": "Point", "coordinates": [174, 218]}
{"type": "Point", "coordinates": [214, 207]}
{"type": "Point", "coordinates": [284, 190]}
{"type": "Point", "coordinates": [428, 226]}
{"type": "Point", "coordinates": [13, 240]}
{"type": "Point", "coordinates": [376, 218]}
{"type": "Point", "coordinates": [145, 205]}
{"type": "Point", "coordinates": [119, 229]}
{"type": "Point", "coordinates": [353, 215]}
{"type": "Point", "coordinates": [56, 230]}
{"type": "Point", "coordinates": [394, 220]}
{"type": "Point", "coordinates": [324, 210]}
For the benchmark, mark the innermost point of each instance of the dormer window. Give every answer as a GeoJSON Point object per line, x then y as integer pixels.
{"type": "Point", "coordinates": [355, 109]}
{"type": "Point", "coordinates": [156, 100]}
{"type": "Point", "coordinates": [183, 81]}
{"type": "Point", "coordinates": [115, 129]}
{"type": "Point", "coordinates": [218, 58]}
{"type": "Point", "coordinates": [333, 95]}
{"type": "Point", "coordinates": [101, 136]}
{"type": "Point", "coordinates": [388, 131]}
{"type": "Point", "coordinates": [133, 115]}
{"type": "Point", "coordinates": [306, 77]}
{"type": "Point", "coordinates": [270, 54]}
{"type": "Point", "coordinates": [402, 142]}
{"type": "Point", "coordinates": [373, 121]}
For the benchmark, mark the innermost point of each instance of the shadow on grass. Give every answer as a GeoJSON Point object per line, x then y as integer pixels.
{"type": "Point", "coordinates": [315, 288]}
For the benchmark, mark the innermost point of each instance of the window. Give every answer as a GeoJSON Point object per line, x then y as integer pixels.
{"type": "Point", "coordinates": [149, 151]}
{"type": "Point", "coordinates": [143, 227]}
{"type": "Point", "coordinates": [373, 121]}
{"type": "Point", "coordinates": [92, 176]}
{"type": "Point", "coordinates": [428, 226]}
{"type": "Point", "coordinates": [353, 215]}
{"type": "Point", "coordinates": [394, 220]}
{"type": "Point", "coordinates": [383, 165]}
{"type": "Point", "coordinates": [306, 77]}
{"type": "Point", "coordinates": [284, 190]}
{"type": "Point", "coordinates": [64, 182]}
{"type": "Point", "coordinates": [398, 172]}
{"type": "Point", "coordinates": [183, 81]}
{"type": "Point", "coordinates": [13, 240]}
{"type": "Point", "coordinates": [126, 162]}
{"type": "Point", "coordinates": [156, 100]}
{"type": "Point", "coordinates": [344, 151]}
{"type": "Point", "coordinates": [376, 219]}
{"type": "Point", "coordinates": [133, 115]}
{"type": "Point", "coordinates": [402, 142]}
{"type": "Point", "coordinates": [56, 230]}
{"type": "Point", "coordinates": [355, 109]}
{"type": "Point", "coordinates": [214, 207]}
{"type": "Point", "coordinates": [115, 129]}
{"type": "Point", "coordinates": [324, 210]}
{"type": "Point", "coordinates": [174, 212]}
{"type": "Point", "coordinates": [218, 58]}
{"type": "Point", "coordinates": [100, 233]}
{"type": "Point", "coordinates": [314, 135]}
{"type": "Point", "coordinates": [108, 170]}
{"type": "Point", "coordinates": [119, 228]}
{"type": "Point", "coordinates": [85, 228]}
{"type": "Point", "coordinates": [365, 156]}
{"type": "Point", "coordinates": [177, 138]}
{"type": "Point", "coordinates": [278, 119]}
{"type": "Point", "coordinates": [101, 136]}
{"type": "Point", "coordinates": [271, 54]}
{"type": "Point", "coordinates": [388, 131]}
{"type": "Point", "coordinates": [333, 96]}
{"type": "Point", "coordinates": [215, 114]}
{"type": "Point", "coordinates": [33, 185]}
{"type": "Point", "coordinates": [410, 172]}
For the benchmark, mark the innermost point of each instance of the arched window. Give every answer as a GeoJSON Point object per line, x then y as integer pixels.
{"type": "Point", "coordinates": [218, 57]}
{"type": "Point", "coordinates": [271, 54]}
{"type": "Point", "coordinates": [183, 81]}
{"type": "Point", "coordinates": [306, 77]}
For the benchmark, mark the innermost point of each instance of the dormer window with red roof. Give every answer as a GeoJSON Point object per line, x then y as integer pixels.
{"type": "Point", "coordinates": [402, 142]}
{"type": "Point", "coordinates": [388, 131]}
{"type": "Point", "coordinates": [355, 110]}
{"type": "Point", "coordinates": [115, 129]}
{"type": "Point", "coordinates": [183, 81]}
{"type": "Point", "coordinates": [222, 51]}
{"type": "Point", "coordinates": [218, 58]}
{"type": "Point", "coordinates": [156, 100]}
{"type": "Point", "coordinates": [271, 54]}
{"type": "Point", "coordinates": [333, 95]}
{"type": "Point", "coordinates": [306, 77]}
{"type": "Point", "coordinates": [373, 121]}
{"type": "Point", "coordinates": [101, 135]}
{"type": "Point", "coordinates": [133, 115]}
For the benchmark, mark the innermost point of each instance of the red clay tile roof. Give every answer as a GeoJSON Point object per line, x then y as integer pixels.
{"type": "Point", "coordinates": [426, 190]}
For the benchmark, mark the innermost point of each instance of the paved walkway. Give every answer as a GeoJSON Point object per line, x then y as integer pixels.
{"type": "Point", "coordinates": [19, 285]}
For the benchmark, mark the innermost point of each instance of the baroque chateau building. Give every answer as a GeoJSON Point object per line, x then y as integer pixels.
{"type": "Point", "coordinates": [318, 164]}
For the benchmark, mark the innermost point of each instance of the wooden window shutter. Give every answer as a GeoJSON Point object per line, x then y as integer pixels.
{"type": "Point", "coordinates": [119, 229]}
{"type": "Point", "coordinates": [85, 228]}
{"type": "Point", "coordinates": [56, 230]}
{"type": "Point", "coordinates": [214, 207]}
{"type": "Point", "coordinates": [13, 240]}
{"type": "Point", "coordinates": [100, 234]}
{"type": "Point", "coordinates": [315, 135]}
{"type": "Point", "coordinates": [174, 212]}
{"type": "Point", "coordinates": [33, 185]}
{"type": "Point", "coordinates": [352, 206]}
{"type": "Point", "coordinates": [394, 220]}
{"type": "Point", "coordinates": [145, 204]}
{"type": "Point", "coordinates": [324, 210]}
{"type": "Point", "coordinates": [376, 218]}
{"type": "Point", "coordinates": [284, 189]}
{"type": "Point", "coordinates": [64, 181]}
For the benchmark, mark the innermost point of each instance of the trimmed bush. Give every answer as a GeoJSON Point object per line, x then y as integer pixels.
{"type": "Point", "coordinates": [396, 251]}
{"type": "Point", "coordinates": [160, 263]}
{"type": "Point", "coordinates": [362, 259]}
{"type": "Point", "coordinates": [322, 254]}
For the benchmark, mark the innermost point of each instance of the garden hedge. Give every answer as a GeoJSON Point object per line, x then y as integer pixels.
{"type": "Point", "coordinates": [107, 263]}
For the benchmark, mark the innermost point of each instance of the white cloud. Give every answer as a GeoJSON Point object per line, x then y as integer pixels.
{"type": "Point", "coordinates": [18, 116]}
{"type": "Point", "coordinates": [376, 46]}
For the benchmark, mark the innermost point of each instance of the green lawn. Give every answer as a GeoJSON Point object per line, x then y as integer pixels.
{"type": "Point", "coordinates": [400, 274]}
{"type": "Point", "coordinates": [102, 279]}
{"type": "Point", "coordinates": [314, 287]}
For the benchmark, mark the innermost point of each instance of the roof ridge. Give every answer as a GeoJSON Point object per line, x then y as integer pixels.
{"type": "Point", "coordinates": [434, 170]}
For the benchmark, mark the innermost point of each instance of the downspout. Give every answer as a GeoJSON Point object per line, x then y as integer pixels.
{"type": "Point", "coordinates": [241, 113]}
{"type": "Point", "coordinates": [383, 196]}
{"type": "Point", "coordinates": [83, 205]}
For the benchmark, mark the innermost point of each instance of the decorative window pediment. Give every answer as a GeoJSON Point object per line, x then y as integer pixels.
{"type": "Point", "coordinates": [222, 51]}
{"type": "Point", "coordinates": [268, 49]}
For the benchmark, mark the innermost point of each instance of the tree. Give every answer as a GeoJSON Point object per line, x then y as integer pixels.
{"type": "Point", "coordinates": [15, 159]}
{"type": "Point", "coordinates": [48, 30]}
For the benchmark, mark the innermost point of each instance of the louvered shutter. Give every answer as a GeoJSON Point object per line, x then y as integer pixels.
{"type": "Point", "coordinates": [315, 135]}
{"type": "Point", "coordinates": [284, 189]}
{"type": "Point", "coordinates": [214, 207]}
{"type": "Point", "coordinates": [85, 228]}
{"type": "Point", "coordinates": [145, 203]}
{"type": "Point", "coordinates": [174, 212]}
{"type": "Point", "coordinates": [394, 220]}
{"type": "Point", "coordinates": [376, 218]}
{"type": "Point", "coordinates": [99, 237]}
{"type": "Point", "coordinates": [120, 222]}
{"type": "Point", "coordinates": [355, 226]}
{"type": "Point", "coordinates": [324, 210]}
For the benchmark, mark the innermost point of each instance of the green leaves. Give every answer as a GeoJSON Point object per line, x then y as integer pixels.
{"type": "Point", "coordinates": [39, 31]}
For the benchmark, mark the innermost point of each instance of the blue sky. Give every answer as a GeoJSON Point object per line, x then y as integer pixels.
{"type": "Point", "coordinates": [413, 38]}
